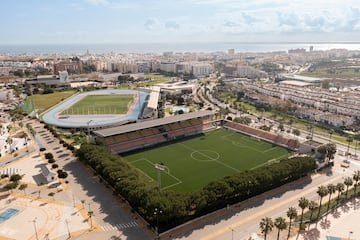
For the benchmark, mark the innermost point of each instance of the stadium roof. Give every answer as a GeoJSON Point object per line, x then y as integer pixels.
{"type": "Point", "coordinates": [154, 97]}
{"type": "Point", "coordinates": [301, 78]}
{"type": "Point", "coordinates": [151, 123]}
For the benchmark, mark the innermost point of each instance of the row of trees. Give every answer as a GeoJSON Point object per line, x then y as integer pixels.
{"type": "Point", "coordinates": [178, 207]}
{"type": "Point", "coordinates": [315, 210]}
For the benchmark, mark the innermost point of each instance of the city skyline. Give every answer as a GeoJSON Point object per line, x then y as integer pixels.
{"type": "Point", "coordinates": [157, 21]}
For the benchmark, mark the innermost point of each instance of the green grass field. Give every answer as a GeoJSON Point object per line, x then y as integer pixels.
{"type": "Point", "coordinates": [101, 104]}
{"type": "Point", "coordinates": [45, 101]}
{"type": "Point", "coordinates": [192, 163]}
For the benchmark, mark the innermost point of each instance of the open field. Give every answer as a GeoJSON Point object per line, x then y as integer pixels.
{"type": "Point", "coordinates": [192, 163]}
{"type": "Point", "coordinates": [101, 104]}
{"type": "Point", "coordinates": [45, 101]}
{"type": "Point", "coordinates": [155, 79]}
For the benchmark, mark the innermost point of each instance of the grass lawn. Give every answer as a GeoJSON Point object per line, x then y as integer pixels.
{"type": "Point", "coordinates": [45, 101]}
{"type": "Point", "coordinates": [101, 104]}
{"type": "Point", "coordinates": [192, 163]}
{"type": "Point", "coordinates": [155, 79]}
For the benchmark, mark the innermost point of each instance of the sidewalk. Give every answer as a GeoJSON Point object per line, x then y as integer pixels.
{"type": "Point", "coordinates": [342, 223]}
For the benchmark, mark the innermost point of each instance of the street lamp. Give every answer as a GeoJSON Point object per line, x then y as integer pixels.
{"type": "Point", "coordinates": [36, 233]}
{"type": "Point", "coordinates": [67, 227]}
{"type": "Point", "coordinates": [157, 211]}
{"type": "Point", "coordinates": [232, 233]}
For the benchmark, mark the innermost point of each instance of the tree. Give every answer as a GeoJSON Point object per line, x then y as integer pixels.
{"type": "Point", "coordinates": [312, 206]}
{"type": "Point", "coordinates": [280, 224]}
{"type": "Point", "coordinates": [356, 178]}
{"type": "Point", "coordinates": [62, 174]}
{"type": "Point", "coordinates": [322, 192]}
{"type": "Point", "coordinates": [281, 127]}
{"type": "Point", "coordinates": [15, 178]}
{"type": "Point", "coordinates": [349, 139]}
{"type": "Point", "coordinates": [348, 182]}
{"type": "Point", "coordinates": [331, 150]}
{"type": "Point", "coordinates": [11, 186]}
{"type": "Point", "coordinates": [266, 226]}
{"type": "Point", "coordinates": [323, 151]}
{"type": "Point", "coordinates": [303, 203]}
{"type": "Point", "coordinates": [23, 187]}
{"type": "Point", "coordinates": [357, 139]}
{"type": "Point", "coordinates": [331, 189]}
{"type": "Point", "coordinates": [340, 188]}
{"type": "Point", "coordinates": [296, 132]}
{"type": "Point", "coordinates": [9, 141]}
{"type": "Point", "coordinates": [331, 132]}
{"type": "Point", "coordinates": [310, 128]}
{"type": "Point", "coordinates": [291, 214]}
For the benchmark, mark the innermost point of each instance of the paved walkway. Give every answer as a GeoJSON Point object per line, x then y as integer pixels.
{"type": "Point", "coordinates": [342, 223]}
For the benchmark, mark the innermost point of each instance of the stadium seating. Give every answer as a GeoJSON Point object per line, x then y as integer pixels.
{"type": "Point", "coordinates": [275, 138]}
{"type": "Point", "coordinates": [147, 137]}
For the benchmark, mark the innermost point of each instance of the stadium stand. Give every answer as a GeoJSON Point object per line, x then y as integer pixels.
{"type": "Point", "coordinates": [267, 136]}
{"type": "Point", "coordinates": [148, 133]}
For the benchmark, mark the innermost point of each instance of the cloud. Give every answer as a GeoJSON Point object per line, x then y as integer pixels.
{"type": "Point", "coordinates": [172, 25]}
{"type": "Point", "coordinates": [229, 23]}
{"type": "Point", "coordinates": [151, 24]}
{"type": "Point", "coordinates": [98, 2]}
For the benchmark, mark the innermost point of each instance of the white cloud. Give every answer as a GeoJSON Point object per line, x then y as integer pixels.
{"type": "Point", "coordinates": [152, 24]}
{"type": "Point", "coordinates": [98, 2]}
{"type": "Point", "coordinates": [172, 24]}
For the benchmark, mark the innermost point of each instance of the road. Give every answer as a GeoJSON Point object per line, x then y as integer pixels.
{"type": "Point", "coordinates": [113, 218]}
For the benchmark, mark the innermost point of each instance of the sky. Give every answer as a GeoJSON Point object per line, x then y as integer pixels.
{"type": "Point", "coordinates": [172, 21]}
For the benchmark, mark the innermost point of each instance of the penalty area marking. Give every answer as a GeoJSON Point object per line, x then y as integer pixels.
{"type": "Point", "coordinates": [166, 171]}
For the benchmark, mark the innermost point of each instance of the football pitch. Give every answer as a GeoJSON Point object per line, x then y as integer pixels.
{"type": "Point", "coordinates": [191, 163]}
{"type": "Point", "coordinates": [101, 104]}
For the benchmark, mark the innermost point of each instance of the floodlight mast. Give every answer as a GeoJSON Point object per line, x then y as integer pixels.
{"type": "Point", "coordinates": [159, 167]}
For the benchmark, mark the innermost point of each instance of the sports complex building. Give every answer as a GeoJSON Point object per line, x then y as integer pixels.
{"type": "Point", "coordinates": [92, 117]}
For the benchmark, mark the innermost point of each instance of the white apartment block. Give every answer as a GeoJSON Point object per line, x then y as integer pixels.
{"type": "Point", "coordinates": [337, 103]}
{"type": "Point", "coordinates": [168, 67]}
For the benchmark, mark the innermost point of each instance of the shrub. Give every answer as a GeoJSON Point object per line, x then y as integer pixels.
{"type": "Point", "coordinates": [51, 160]}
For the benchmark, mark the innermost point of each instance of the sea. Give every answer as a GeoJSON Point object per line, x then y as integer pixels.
{"type": "Point", "coordinates": [206, 47]}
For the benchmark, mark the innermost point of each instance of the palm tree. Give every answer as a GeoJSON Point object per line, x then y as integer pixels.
{"type": "Point", "coordinates": [266, 226]}
{"type": "Point", "coordinates": [331, 132]}
{"type": "Point", "coordinates": [340, 188]}
{"type": "Point", "coordinates": [357, 139]}
{"type": "Point", "coordinates": [356, 178]}
{"type": "Point", "coordinates": [23, 187]}
{"type": "Point", "coordinates": [322, 192]}
{"type": "Point", "coordinates": [291, 214]}
{"type": "Point", "coordinates": [9, 141]}
{"type": "Point", "coordinates": [349, 139]}
{"type": "Point", "coordinates": [303, 203]}
{"type": "Point", "coordinates": [280, 224]}
{"type": "Point", "coordinates": [348, 182]}
{"type": "Point", "coordinates": [312, 206]}
{"type": "Point", "coordinates": [331, 189]}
